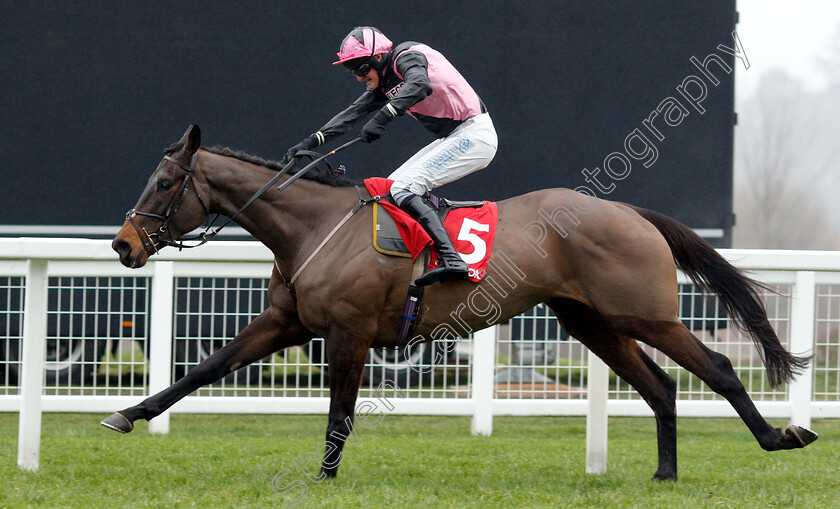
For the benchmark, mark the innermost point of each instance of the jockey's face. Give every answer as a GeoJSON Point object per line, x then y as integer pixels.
{"type": "Point", "coordinates": [371, 79]}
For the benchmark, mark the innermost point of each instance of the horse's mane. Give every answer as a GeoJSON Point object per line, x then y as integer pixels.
{"type": "Point", "coordinates": [318, 174]}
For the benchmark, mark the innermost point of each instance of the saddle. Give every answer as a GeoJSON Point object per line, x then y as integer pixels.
{"type": "Point", "coordinates": [386, 235]}
{"type": "Point", "coordinates": [471, 226]}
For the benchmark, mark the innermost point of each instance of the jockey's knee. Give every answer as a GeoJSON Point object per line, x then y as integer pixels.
{"type": "Point", "coordinates": [400, 193]}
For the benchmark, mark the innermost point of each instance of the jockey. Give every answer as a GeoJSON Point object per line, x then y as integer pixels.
{"type": "Point", "coordinates": [415, 79]}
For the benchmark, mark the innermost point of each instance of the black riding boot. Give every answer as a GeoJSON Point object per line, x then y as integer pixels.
{"type": "Point", "coordinates": [450, 266]}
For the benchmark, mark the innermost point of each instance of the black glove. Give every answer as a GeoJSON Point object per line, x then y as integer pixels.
{"type": "Point", "coordinates": [375, 126]}
{"type": "Point", "coordinates": [307, 144]}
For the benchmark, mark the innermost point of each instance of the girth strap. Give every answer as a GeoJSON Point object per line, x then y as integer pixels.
{"type": "Point", "coordinates": [361, 203]}
{"type": "Point", "coordinates": [320, 246]}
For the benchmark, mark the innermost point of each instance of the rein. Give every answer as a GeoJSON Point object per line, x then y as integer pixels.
{"type": "Point", "coordinates": [207, 235]}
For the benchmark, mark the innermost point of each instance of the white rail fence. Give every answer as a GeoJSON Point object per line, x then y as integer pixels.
{"type": "Point", "coordinates": [80, 333]}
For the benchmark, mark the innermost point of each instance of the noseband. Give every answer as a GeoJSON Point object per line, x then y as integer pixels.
{"type": "Point", "coordinates": [156, 239]}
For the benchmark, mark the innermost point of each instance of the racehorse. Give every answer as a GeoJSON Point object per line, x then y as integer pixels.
{"type": "Point", "coordinates": [607, 270]}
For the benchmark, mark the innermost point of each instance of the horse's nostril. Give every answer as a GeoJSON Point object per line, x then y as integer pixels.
{"type": "Point", "coordinates": [122, 247]}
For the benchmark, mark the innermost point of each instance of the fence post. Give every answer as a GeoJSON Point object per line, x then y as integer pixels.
{"type": "Point", "coordinates": [802, 315]}
{"type": "Point", "coordinates": [160, 338]}
{"type": "Point", "coordinates": [484, 363]}
{"type": "Point", "coordinates": [598, 381]}
{"type": "Point", "coordinates": [32, 364]}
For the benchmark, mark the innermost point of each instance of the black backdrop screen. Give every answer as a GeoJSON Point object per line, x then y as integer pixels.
{"type": "Point", "coordinates": [92, 92]}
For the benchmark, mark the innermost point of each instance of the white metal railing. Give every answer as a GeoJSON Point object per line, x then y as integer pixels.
{"type": "Point", "coordinates": [523, 367]}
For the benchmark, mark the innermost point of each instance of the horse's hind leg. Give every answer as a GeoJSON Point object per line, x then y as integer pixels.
{"type": "Point", "coordinates": [262, 337]}
{"type": "Point", "coordinates": [715, 369]}
{"type": "Point", "coordinates": [624, 356]}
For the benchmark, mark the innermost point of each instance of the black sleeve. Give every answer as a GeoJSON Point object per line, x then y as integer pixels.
{"type": "Point", "coordinates": [344, 121]}
{"type": "Point", "coordinates": [414, 69]}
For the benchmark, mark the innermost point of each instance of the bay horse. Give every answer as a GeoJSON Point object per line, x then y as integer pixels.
{"type": "Point", "coordinates": [607, 270]}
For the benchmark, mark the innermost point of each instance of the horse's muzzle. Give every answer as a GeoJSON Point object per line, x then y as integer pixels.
{"type": "Point", "coordinates": [130, 248]}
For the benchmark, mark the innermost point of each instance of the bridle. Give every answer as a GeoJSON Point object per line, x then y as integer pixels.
{"type": "Point", "coordinates": [156, 239]}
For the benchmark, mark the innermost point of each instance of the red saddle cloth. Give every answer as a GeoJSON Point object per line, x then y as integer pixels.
{"type": "Point", "coordinates": [472, 230]}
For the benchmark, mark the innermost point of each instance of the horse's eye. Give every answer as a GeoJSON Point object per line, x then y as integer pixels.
{"type": "Point", "coordinates": [165, 184]}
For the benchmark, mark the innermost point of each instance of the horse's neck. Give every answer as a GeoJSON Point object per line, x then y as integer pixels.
{"type": "Point", "coordinates": [286, 222]}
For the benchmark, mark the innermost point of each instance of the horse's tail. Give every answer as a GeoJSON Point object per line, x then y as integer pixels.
{"type": "Point", "coordinates": [738, 293]}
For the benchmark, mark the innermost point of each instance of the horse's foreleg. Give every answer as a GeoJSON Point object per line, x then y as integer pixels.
{"type": "Point", "coordinates": [262, 337]}
{"type": "Point", "coordinates": [346, 357]}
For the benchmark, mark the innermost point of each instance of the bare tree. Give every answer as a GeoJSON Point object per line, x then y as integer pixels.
{"type": "Point", "coordinates": [778, 201]}
{"type": "Point", "coordinates": [829, 63]}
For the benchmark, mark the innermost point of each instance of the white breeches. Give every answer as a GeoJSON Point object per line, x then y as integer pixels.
{"type": "Point", "coordinates": [468, 148]}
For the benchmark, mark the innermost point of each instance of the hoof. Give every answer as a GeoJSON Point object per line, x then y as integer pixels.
{"type": "Point", "coordinates": [663, 478]}
{"type": "Point", "coordinates": [118, 422]}
{"type": "Point", "coordinates": [803, 435]}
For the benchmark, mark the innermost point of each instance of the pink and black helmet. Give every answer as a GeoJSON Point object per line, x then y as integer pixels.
{"type": "Point", "coordinates": [363, 42]}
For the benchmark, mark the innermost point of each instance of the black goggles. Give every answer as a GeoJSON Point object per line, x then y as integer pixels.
{"type": "Point", "coordinates": [362, 69]}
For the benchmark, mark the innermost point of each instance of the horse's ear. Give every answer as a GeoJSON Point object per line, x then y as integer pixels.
{"type": "Point", "coordinates": [192, 140]}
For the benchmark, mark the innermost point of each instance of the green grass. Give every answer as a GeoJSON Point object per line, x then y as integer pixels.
{"type": "Point", "coordinates": [229, 461]}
